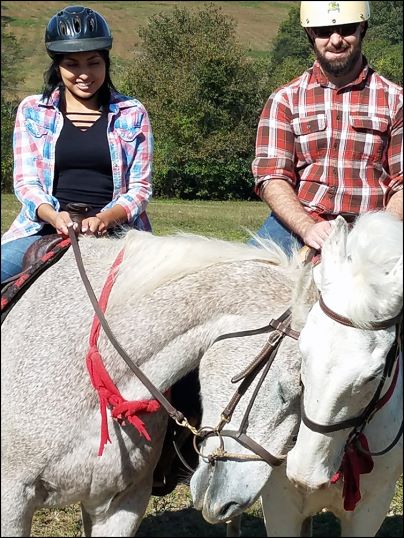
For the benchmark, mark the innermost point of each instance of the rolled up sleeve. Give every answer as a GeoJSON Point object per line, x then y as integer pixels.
{"type": "Point", "coordinates": [274, 156]}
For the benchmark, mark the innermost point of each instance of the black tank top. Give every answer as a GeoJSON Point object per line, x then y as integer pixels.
{"type": "Point", "coordinates": [83, 171]}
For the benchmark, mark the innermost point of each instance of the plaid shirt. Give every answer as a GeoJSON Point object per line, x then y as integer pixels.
{"type": "Point", "coordinates": [37, 128]}
{"type": "Point", "coordinates": [340, 148]}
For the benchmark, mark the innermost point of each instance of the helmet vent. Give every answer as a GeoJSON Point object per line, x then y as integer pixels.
{"type": "Point", "coordinates": [62, 28]}
{"type": "Point", "coordinates": [91, 24]}
{"type": "Point", "coordinates": [77, 24]}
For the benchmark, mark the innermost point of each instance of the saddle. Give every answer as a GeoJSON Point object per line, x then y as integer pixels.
{"type": "Point", "coordinates": [43, 253]}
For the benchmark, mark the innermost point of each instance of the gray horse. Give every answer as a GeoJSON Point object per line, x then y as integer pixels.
{"type": "Point", "coordinates": [172, 297]}
{"type": "Point", "coordinates": [223, 490]}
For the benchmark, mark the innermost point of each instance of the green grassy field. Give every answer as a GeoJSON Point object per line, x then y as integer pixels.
{"type": "Point", "coordinates": [257, 24]}
{"type": "Point", "coordinates": [173, 515]}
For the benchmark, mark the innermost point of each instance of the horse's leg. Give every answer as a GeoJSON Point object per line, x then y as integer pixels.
{"type": "Point", "coordinates": [281, 506]}
{"type": "Point", "coordinates": [369, 514]}
{"type": "Point", "coordinates": [17, 506]}
{"type": "Point", "coordinates": [86, 520]}
{"type": "Point", "coordinates": [122, 515]}
{"type": "Point", "coordinates": [233, 527]}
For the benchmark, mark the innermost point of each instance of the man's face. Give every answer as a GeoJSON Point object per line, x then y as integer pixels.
{"type": "Point", "coordinates": [337, 48]}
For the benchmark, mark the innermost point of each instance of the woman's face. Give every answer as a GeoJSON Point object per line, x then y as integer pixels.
{"type": "Point", "coordinates": [83, 73]}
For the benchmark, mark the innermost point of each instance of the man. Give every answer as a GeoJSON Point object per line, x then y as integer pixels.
{"type": "Point", "coordinates": [330, 142]}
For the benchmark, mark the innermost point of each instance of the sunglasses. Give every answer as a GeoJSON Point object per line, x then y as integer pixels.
{"type": "Point", "coordinates": [343, 30]}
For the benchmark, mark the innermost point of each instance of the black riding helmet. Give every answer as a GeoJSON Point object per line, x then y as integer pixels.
{"type": "Point", "coordinates": [77, 29]}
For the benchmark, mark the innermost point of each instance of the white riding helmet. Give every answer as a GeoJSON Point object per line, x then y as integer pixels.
{"type": "Point", "coordinates": [330, 13]}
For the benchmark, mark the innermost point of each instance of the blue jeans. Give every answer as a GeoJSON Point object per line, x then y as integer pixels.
{"type": "Point", "coordinates": [274, 229]}
{"type": "Point", "coordinates": [12, 254]}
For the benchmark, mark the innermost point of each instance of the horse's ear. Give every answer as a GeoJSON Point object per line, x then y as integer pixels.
{"type": "Point", "coordinates": [333, 252]}
{"type": "Point", "coordinates": [396, 274]}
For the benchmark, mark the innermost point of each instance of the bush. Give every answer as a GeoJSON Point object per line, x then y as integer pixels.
{"type": "Point", "coordinates": [8, 112]}
{"type": "Point", "coordinates": [203, 96]}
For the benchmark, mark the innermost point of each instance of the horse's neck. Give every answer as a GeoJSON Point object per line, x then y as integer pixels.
{"type": "Point", "coordinates": [216, 300]}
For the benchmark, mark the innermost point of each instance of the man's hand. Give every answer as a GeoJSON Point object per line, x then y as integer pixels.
{"type": "Point", "coordinates": [315, 234]}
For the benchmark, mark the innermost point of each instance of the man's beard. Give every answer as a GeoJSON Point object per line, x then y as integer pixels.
{"type": "Point", "coordinates": [339, 67]}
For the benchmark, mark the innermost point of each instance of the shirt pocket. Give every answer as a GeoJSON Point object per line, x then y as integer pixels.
{"type": "Point", "coordinates": [129, 134]}
{"type": "Point", "coordinates": [35, 129]}
{"type": "Point", "coordinates": [310, 137]}
{"type": "Point", "coordinates": [370, 137]}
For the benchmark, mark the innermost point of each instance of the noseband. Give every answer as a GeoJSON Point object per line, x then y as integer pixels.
{"type": "Point", "coordinates": [359, 422]}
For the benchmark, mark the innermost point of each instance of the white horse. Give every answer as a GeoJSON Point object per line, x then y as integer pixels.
{"type": "Point", "coordinates": [370, 259]}
{"type": "Point", "coordinates": [172, 297]}
{"type": "Point", "coordinates": [344, 366]}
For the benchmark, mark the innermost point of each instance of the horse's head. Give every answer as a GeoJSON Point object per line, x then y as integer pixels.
{"type": "Point", "coordinates": [225, 488]}
{"type": "Point", "coordinates": [346, 339]}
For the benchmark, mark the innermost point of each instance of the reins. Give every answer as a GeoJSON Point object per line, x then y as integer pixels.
{"type": "Point", "coordinates": [171, 410]}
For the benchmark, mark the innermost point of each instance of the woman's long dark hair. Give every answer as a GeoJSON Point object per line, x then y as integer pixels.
{"type": "Point", "coordinates": [52, 79]}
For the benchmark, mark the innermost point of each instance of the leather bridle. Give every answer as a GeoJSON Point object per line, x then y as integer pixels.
{"type": "Point", "coordinates": [359, 422]}
{"type": "Point", "coordinates": [278, 328]}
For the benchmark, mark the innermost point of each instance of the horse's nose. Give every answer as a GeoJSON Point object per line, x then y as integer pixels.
{"type": "Point", "coordinates": [228, 509]}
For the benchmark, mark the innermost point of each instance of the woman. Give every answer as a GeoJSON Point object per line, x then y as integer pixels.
{"type": "Point", "coordinates": [80, 142]}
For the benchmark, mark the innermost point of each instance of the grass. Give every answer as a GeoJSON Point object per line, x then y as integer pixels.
{"type": "Point", "coordinates": [256, 26]}
{"type": "Point", "coordinates": [173, 515]}
{"type": "Point", "coordinates": [224, 220]}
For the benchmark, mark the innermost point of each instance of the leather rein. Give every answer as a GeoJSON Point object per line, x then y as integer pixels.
{"type": "Point", "coordinates": [278, 329]}
{"type": "Point", "coordinates": [359, 422]}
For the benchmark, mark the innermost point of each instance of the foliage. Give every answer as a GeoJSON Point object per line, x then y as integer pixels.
{"type": "Point", "coordinates": [383, 43]}
{"type": "Point", "coordinates": [10, 53]}
{"type": "Point", "coordinates": [8, 111]}
{"type": "Point", "coordinates": [386, 21]}
{"type": "Point", "coordinates": [203, 96]}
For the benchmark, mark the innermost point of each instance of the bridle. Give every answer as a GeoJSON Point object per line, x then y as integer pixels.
{"type": "Point", "coordinates": [359, 422]}
{"type": "Point", "coordinates": [278, 329]}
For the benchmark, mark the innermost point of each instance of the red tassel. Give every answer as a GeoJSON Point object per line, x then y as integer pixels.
{"type": "Point", "coordinates": [108, 394]}
{"type": "Point", "coordinates": [354, 463]}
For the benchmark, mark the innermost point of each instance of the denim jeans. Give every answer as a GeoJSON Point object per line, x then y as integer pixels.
{"type": "Point", "coordinates": [12, 254]}
{"type": "Point", "coordinates": [274, 229]}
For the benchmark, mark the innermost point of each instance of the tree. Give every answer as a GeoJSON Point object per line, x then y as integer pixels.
{"type": "Point", "coordinates": [203, 96]}
{"type": "Point", "coordinates": [386, 21]}
{"type": "Point", "coordinates": [10, 51]}
{"type": "Point", "coordinates": [384, 39]}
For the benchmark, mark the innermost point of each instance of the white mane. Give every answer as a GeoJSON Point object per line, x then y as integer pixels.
{"type": "Point", "coordinates": [374, 247]}
{"type": "Point", "coordinates": [151, 260]}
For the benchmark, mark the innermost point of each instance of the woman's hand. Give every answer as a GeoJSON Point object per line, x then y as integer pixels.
{"type": "Point", "coordinates": [93, 226]}
{"type": "Point", "coordinates": [62, 221]}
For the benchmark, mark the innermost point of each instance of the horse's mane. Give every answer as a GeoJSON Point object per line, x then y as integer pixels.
{"type": "Point", "coordinates": [151, 261]}
{"type": "Point", "coordinates": [374, 246]}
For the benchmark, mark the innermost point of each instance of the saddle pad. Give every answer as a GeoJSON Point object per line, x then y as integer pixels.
{"type": "Point", "coordinates": [14, 290]}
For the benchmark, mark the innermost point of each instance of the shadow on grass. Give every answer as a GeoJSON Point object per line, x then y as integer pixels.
{"type": "Point", "coordinates": [189, 522]}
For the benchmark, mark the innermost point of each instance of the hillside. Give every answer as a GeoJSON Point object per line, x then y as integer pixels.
{"type": "Point", "coordinates": [256, 22]}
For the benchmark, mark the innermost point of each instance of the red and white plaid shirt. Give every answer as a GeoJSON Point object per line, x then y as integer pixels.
{"type": "Point", "coordinates": [340, 148]}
